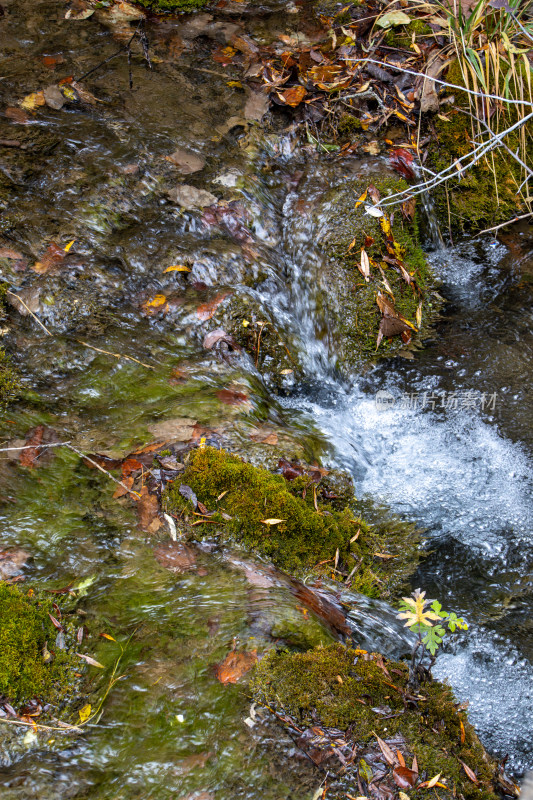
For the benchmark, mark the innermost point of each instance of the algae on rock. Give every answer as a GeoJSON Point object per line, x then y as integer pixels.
{"type": "Point", "coordinates": [349, 691]}
{"type": "Point", "coordinates": [300, 525]}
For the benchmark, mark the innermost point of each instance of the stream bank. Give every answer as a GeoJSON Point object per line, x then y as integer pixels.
{"type": "Point", "coordinates": [98, 174]}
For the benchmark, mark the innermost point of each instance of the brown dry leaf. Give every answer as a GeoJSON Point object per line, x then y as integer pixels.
{"type": "Point", "coordinates": [148, 508]}
{"type": "Point", "coordinates": [388, 754]}
{"type": "Point", "coordinates": [235, 665]}
{"type": "Point", "coordinates": [121, 490]}
{"type": "Point", "coordinates": [388, 310]}
{"type": "Point", "coordinates": [364, 267]}
{"type": "Point", "coordinates": [208, 310]}
{"type": "Point", "coordinates": [130, 465]}
{"type": "Point", "coordinates": [292, 97]}
{"type": "Point", "coordinates": [408, 208]}
{"type": "Point", "coordinates": [53, 256]}
{"type": "Point", "coordinates": [470, 772]}
{"type": "Point", "coordinates": [175, 556]}
{"type": "Point", "coordinates": [404, 777]}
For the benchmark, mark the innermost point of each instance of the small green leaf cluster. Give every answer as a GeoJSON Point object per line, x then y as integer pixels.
{"type": "Point", "coordinates": [430, 624]}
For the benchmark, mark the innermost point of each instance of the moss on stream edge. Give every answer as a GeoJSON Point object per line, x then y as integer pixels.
{"type": "Point", "coordinates": [317, 522]}
{"type": "Point", "coordinates": [348, 690]}
{"type": "Point", "coordinates": [26, 633]}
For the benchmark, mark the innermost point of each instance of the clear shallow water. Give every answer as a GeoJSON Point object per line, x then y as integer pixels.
{"type": "Point", "coordinates": [464, 474]}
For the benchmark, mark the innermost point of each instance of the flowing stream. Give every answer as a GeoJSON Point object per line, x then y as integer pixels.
{"type": "Point", "coordinates": [446, 443]}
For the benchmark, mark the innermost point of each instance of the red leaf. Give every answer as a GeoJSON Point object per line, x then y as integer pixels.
{"type": "Point", "coordinates": [207, 310]}
{"type": "Point", "coordinates": [235, 665]}
{"type": "Point", "coordinates": [404, 777]}
{"type": "Point", "coordinates": [400, 161]}
{"type": "Point", "coordinates": [55, 623]}
{"type": "Point", "coordinates": [28, 457]}
{"type": "Point", "coordinates": [231, 397]}
{"type": "Point", "coordinates": [470, 772]}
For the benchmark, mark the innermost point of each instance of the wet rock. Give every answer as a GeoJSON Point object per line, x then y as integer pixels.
{"type": "Point", "coordinates": [186, 161]}
{"type": "Point", "coordinates": [190, 198]}
{"type": "Point", "coordinates": [12, 561]}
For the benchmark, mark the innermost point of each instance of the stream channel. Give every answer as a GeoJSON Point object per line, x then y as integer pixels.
{"type": "Point", "coordinates": [97, 174]}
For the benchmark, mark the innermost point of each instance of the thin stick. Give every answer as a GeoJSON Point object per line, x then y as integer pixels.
{"type": "Point", "coordinates": [503, 224]}
{"type": "Point", "coordinates": [34, 446]}
{"type": "Point", "coordinates": [95, 464]}
{"type": "Point", "coordinates": [21, 301]}
{"type": "Point", "coordinates": [115, 355]}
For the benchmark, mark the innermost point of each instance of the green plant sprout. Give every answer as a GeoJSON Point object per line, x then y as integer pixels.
{"type": "Point", "coordinates": [427, 620]}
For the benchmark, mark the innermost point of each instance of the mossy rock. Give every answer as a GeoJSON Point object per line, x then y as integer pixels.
{"type": "Point", "coordinates": [26, 630]}
{"type": "Point", "coordinates": [348, 300]}
{"type": "Point", "coordinates": [487, 193]}
{"type": "Point", "coordinates": [345, 689]}
{"type": "Point", "coordinates": [172, 6]}
{"type": "Point", "coordinates": [316, 521]}
{"type": "Point", "coordinates": [9, 380]}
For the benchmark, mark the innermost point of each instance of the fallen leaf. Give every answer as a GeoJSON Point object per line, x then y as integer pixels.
{"type": "Point", "coordinates": [177, 268]}
{"type": "Point", "coordinates": [91, 661]}
{"type": "Point", "coordinates": [54, 255]}
{"type": "Point", "coordinates": [256, 106]}
{"type": "Point", "coordinates": [213, 337]}
{"type": "Point", "coordinates": [272, 521]}
{"type": "Point", "coordinates": [175, 556]}
{"type": "Point", "coordinates": [32, 101]}
{"type": "Point", "coordinates": [156, 302]}
{"type": "Point", "coordinates": [404, 777]}
{"type": "Point", "coordinates": [470, 772]}
{"type": "Point", "coordinates": [408, 208]}
{"type": "Point", "coordinates": [231, 397]}
{"type": "Point", "coordinates": [364, 267]}
{"type": "Point", "coordinates": [55, 623]}
{"type": "Point", "coordinates": [401, 160]}
{"type": "Point", "coordinates": [85, 712]}
{"type": "Point", "coordinates": [148, 508]}
{"type": "Point", "coordinates": [28, 457]}
{"type": "Point", "coordinates": [393, 18]}
{"type": "Point", "coordinates": [388, 754]}
{"type": "Point", "coordinates": [292, 97]}
{"type": "Point", "coordinates": [185, 161]}
{"type": "Point", "coordinates": [235, 665]}
{"type": "Point", "coordinates": [361, 199]}
{"type": "Point", "coordinates": [188, 494]}
{"type": "Point", "coordinates": [463, 733]}
{"type": "Point", "coordinates": [207, 310]}
{"type": "Point", "coordinates": [17, 115]}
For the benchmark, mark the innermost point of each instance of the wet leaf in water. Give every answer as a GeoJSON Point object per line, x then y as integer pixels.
{"type": "Point", "coordinates": [180, 429]}
{"type": "Point", "coordinates": [401, 160]}
{"type": "Point", "coordinates": [91, 661]}
{"type": "Point", "coordinates": [17, 115]}
{"type": "Point", "coordinates": [28, 457]}
{"type": "Point", "coordinates": [232, 397]}
{"type": "Point", "coordinates": [53, 256]}
{"type": "Point", "coordinates": [85, 712]}
{"type": "Point", "coordinates": [120, 491]}
{"type": "Point", "coordinates": [130, 465]}
{"type": "Point", "coordinates": [32, 101]}
{"type": "Point", "coordinates": [177, 268]}
{"type": "Point", "coordinates": [404, 777]}
{"type": "Point", "coordinates": [256, 106]}
{"type": "Point", "coordinates": [207, 310]}
{"type": "Point", "coordinates": [148, 508]}
{"type": "Point", "coordinates": [155, 304]}
{"type": "Point", "coordinates": [12, 561]}
{"type": "Point", "coordinates": [264, 437]}
{"type": "Point", "coordinates": [186, 161]}
{"type": "Point", "coordinates": [235, 665]}
{"type": "Point", "coordinates": [215, 336]}
{"type": "Point", "coordinates": [175, 556]}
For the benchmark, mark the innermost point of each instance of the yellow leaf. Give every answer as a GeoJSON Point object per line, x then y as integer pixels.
{"type": "Point", "coordinates": [463, 733]}
{"type": "Point", "coordinates": [107, 636]}
{"type": "Point", "coordinates": [85, 713]}
{"type": "Point", "coordinates": [385, 225]}
{"type": "Point", "coordinates": [32, 101]}
{"type": "Point", "coordinates": [158, 300]}
{"type": "Point", "coordinates": [433, 781]}
{"type": "Point", "coordinates": [286, 372]}
{"type": "Point", "coordinates": [234, 84]}
{"type": "Point", "coordinates": [403, 796]}
{"type": "Point", "coordinates": [177, 268]}
{"type": "Point", "coordinates": [362, 198]}
{"type": "Point", "coordinates": [69, 245]}
{"type": "Point", "coordinates": [272, 521]}
{"type": "Point", "coordinates": [419, 315]}
{"type": "Point", "coordinates": [245, 323]}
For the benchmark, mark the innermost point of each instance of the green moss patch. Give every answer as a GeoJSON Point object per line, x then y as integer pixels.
{"type": "Point", "coordinates": [26, 632]}
{"type": "Point", "coordinates": [487, 193]}
{"type": "Point", "coordinates": [362, 695]}
{"type": "Point", "coordinates": [9, 381]}
{"type": "Point", "coordinates": [172, 6]}
{"type": "Point", "coordinates": [348, 298]}
{"type": "Point", "coordinates": [319, 523]}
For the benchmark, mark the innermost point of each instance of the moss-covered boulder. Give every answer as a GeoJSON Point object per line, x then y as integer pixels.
{"type": "Point", "coordinates": [340, 700]}
{"type": "Point", "coordinates": [301, 525]}
{"type": "Point", "coordinates": [348, 301]}
{"type": "Point", "coordinates": [487, 193]}
{"type": "Point", "coordinates": [31, 665]}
